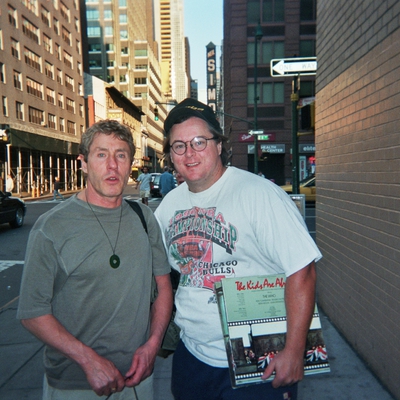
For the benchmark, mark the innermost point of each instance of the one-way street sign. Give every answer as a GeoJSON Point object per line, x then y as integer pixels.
{"type": "Point", "coordinates": [293, 66]}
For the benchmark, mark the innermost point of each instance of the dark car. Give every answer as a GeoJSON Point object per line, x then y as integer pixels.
{"type": "Point", "coordinates": [12, 210]}
{"type": "Point", "coordinates": [155, 185]}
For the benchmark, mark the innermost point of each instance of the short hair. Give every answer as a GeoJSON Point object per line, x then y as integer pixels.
{"type": "Point", "coordinates": [106, 127]}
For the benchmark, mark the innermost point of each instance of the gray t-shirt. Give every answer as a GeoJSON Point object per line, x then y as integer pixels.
{"type": "Point", "coordinates": [67, 273]}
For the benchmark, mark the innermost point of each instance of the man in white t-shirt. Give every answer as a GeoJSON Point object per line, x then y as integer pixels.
{"type": "Point", "coordinates": [226, 222]}
{"type": "Point", "coordinates": [144, 181]}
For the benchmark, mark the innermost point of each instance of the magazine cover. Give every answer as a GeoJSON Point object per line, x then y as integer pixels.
{"type": "Point", "coordinates": [253, 318]}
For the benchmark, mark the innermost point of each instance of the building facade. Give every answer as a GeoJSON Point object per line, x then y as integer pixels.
{"type": "Point", "coordinates": [41, 87]}
{"type": "Point", "coordinates": [252, 96]}
{"type": "Point", "coordinates": [358, 198]}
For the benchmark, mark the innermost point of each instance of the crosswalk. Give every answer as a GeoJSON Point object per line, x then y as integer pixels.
{"type": "Point", "coordinates": [5, 264]}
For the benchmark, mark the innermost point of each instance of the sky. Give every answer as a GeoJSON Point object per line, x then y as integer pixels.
{"type": "Point", "coordinates": [203, 24]}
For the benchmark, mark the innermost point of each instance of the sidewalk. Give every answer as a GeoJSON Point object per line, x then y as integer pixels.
{"type": "Point", "coordinates": [21, 368]}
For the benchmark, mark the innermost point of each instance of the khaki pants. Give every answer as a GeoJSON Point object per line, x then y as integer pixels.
{"type": "Point", "coordinates": [144, 391]}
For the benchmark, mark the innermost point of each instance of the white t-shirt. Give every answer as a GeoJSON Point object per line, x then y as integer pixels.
{"type": "Point", "coordinates": [240, 226]}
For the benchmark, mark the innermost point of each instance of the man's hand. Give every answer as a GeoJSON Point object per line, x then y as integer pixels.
{"type": "Point", "coordinates": [142, 365]}
{"type": "Point", "coordinates": [288, 368]}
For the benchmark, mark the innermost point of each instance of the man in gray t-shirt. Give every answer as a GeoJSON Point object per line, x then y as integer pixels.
{"type": "Point", "coordinates": [87, 281]}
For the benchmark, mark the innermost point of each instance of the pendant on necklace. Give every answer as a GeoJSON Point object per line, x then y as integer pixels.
{"type": "Point", "coordinates": [114, 261]}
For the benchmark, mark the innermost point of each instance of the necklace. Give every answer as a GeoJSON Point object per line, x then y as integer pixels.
{"type": "Point", "coordinates": [114, 259]}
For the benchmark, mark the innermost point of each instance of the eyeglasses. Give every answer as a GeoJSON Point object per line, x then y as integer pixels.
{"type": "Point", "coordinates": [198, 143]}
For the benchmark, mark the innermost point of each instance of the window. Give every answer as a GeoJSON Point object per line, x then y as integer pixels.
{"type": "Point", "coordinates": [122, 3]}
{"type": "Point", "coordinates": [30, 30]}
{"type": "Point", "coordinates": [32, 59]}
{"type": "Point", "coordinates": [15, 48]}
{"type": "Point", "coordinates": [71, 127]}
{"type": "Point", "coordinates": [109, 46]}
{"type": "Point", "coordinates": [77, 25]}
{"type": "Point", "coordinates": [79, 68]}
{"type": "Point", "coordinates": [124, 50]}
{"type": "Point", "coordinates": [69, 82]}
{"type": "Point", "coordinates": [81, 110]}
{"type": "Point", "coordinates": [108, 14]}
{"type": "Point", "coordinates": [273, 10]}
{"type": "Point", "coordinates": [78, 46]}
{"type": "Point", "coordinates": [109, 31]}
{"type": "Point", "coordinates": [95, 63]}
{"type": "Point", "coordinates": [80, 89]}
{"type": "Point", "coordinates": [45, 14]}
{"type": "Point", "coordinates": [67, 59]}
{"type": "Point", "coordinates": [124, 34]}
{"type": "Point", "coordinates": [110, 64]}
{"type": "Point", "coordinates": [17, 80]}
{"type": "Point", "coordinates": [52, 121]}
{"type": "Point", "coordinates": [122, 78]}
{"type": "Point", "coordinates": [308, 10]}
{"type": "Point", "coordinates": [66, 35]}
{"type": "Point", "coordinates": [19, 110]}
{"type": "Point", "coordinates": [61, 125]}
{"type": "Point", "coordinates": [35, 116]}
{"type": "Point", "coordinates": [64, 11]}
{"type": "Point", "coordinates": [59, 77]}
{"type": "Point", "coordinates": [34, 88]}
{"type": "Point", "coordinates": [50, 96]}
{"type": "Point", "coordinates": [57, 51]}
{"type": "Point", "coordinates": [56, 26]}
{"type": "Point", "coordinates": [94, 47]}
{"type": "Point", "coordinates": [92, 15]}
{"type": "Point", "coordinates": [307, 48]}
{"type": "Point", "coordinates": [110, 78]}
{"type": "Point", "coordinates": [47, 44]}
{"type": "Point", "coordinates": [49, 70]}
{"type": "Point", "coordinates": [60, 100]}
{"type": "Point", "coordinates": [2, 73]}
{"type": "Point", "coordinates": [4, 106]}
{"type": "Point", "coordinates": [123, 19]}
{"type": "Point", "coordinates": [31, 5]}
{"type": "Point", "coordinates": [273, 92]}
{"type": "Point", "coordinates": [93, 31]}
{"type": "Point", "coordinates": [70, 105]}
{"type": "Point", "coordinates": [272, 50]}
{"type": "Point", "coordinates": [140, 81]}
{"type": "Point", "coordinates": [12, 16]}
{"type": "Point", "coordinates": [141, 53]}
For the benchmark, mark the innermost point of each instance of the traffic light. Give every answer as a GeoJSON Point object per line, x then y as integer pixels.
{"type": "Point", "coordinates": [307, 116]}
{"type": "Point", "coordinates": [156, 114]}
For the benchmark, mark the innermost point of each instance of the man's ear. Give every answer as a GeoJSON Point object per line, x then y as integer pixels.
{"type": "Point", "coordinates": [81, 158]}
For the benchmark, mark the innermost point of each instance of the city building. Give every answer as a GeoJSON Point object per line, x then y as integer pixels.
{"type": "Point", "coordinates": [41, 84]}
{"type": "Point", "coordinates": [256, 32]}
{"type": "Point", "coordinates": [357, 123]}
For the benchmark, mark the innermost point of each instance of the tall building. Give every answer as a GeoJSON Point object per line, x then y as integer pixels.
{"type": "Point", "coordinates": [251, 93]}
{"type": "Point", "coordinates": [122, 51]}
{"type": "Point", "coordinates": [173, 50]}
{"type": "Point", "coordinates": [41, 85]}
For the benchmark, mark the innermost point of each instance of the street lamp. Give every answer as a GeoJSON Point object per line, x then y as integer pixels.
{"type": "Point", "coordinates": [257, 37]}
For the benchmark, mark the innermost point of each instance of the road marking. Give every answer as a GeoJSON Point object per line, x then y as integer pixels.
{"type": "Point", "coordinates": [5, 264]}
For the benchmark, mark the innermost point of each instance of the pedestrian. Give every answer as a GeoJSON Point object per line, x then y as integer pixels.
{"type": "Point", "coordinates": [167, 182]}
{"type": "Point", "coordinates": [144, 181]}
{"type": "Point", "coordinates": [226, 222]}
{"type": "Point", "coordinates": [56, 191]}
{"type": "Point", "coordinates": [9, 183]}
{"type": "Point", "coordinates": [87, 281]}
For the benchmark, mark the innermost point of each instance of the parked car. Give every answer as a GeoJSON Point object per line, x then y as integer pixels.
{"type": "Point", "coordinates": [155, 185]}
{"type": "Point", "coordinates": [306, 186]}
{"type": "Point", "coordinates": [12, 210]}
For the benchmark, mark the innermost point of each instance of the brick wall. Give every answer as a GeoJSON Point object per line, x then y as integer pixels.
{"type": "Point", "coordinates": [358, 177]}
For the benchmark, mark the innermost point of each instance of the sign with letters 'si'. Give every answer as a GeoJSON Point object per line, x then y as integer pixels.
{"type": "Point", "coordinates": [211, 76]}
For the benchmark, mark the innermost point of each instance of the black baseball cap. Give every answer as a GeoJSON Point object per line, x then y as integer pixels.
{"type": "Point", "coordinates": [191, 108]}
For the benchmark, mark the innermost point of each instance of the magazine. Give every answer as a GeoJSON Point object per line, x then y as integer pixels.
{"type": "Point", "coordinates": [253, 318]}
